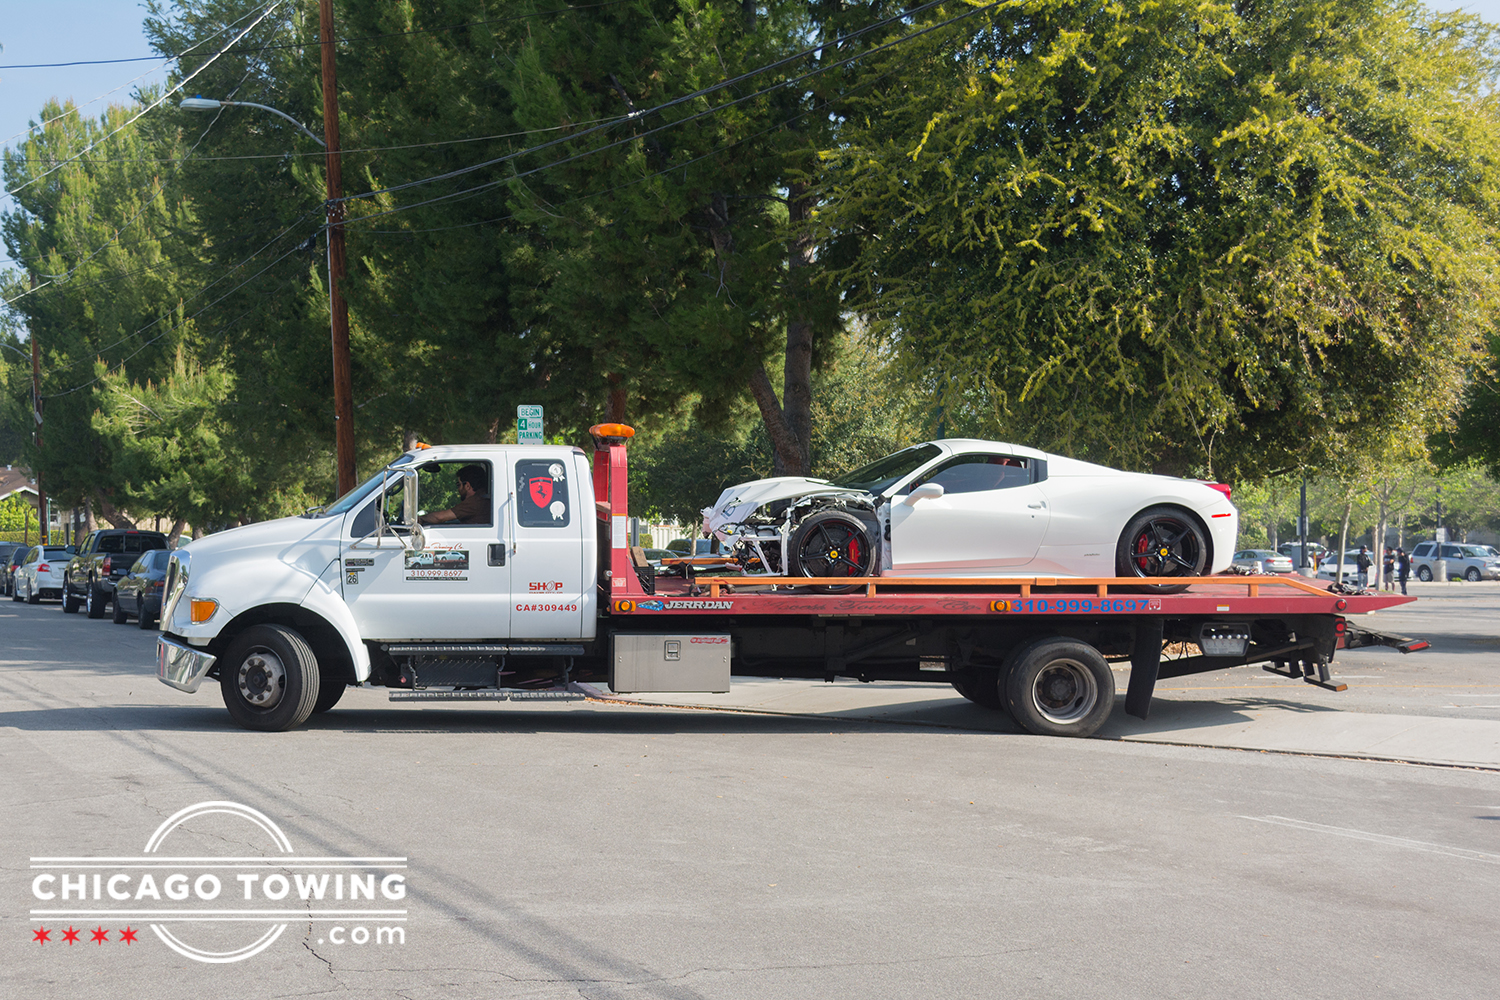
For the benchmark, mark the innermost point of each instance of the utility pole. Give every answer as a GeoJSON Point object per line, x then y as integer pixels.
{"type": "Point", "coordinates": [36, 414]}
{"type": "Point", "coordinates": [1302, 530]}
{"type": "Point", "coordinates": [343, 379]}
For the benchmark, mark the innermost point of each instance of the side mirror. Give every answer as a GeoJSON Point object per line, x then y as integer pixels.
{"type": "Point", "coordinates": [927, 491]}
{"type": "Point", "coordinates": [409, 509]}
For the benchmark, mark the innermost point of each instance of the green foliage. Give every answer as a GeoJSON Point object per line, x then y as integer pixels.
{"type": "Point", "coordinates": [18, 515]}
{"type": "Point", "coordinates": [1238, 238]}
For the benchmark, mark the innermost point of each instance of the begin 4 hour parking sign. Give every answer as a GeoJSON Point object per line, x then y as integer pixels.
{"type": "Point", "coordinates": [529, 424]}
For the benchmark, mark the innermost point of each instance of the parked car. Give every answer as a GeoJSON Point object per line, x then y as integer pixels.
{"type": "Point", "coordinates": [41, 574]}
{"type": "Point", "coordinates": [1465, 562]}
{"type": "Point", "coordinates": [13, 560]}
{"type": "Point", "coordinates": [977, 508]}
{"type": "Point", "coordinates": [138, 593]}
{"type": "Point", "coordinates": [1263, 561]}
{"type": "Point", "coordinates": [1316, 553]}
{"type": "Point", "coordinates": [655, 556]}
{"type": "Point", "coordinates": [104, 557]}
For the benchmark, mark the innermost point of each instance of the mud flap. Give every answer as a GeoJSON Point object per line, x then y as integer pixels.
{"type": "Point", "coordinates": [1145, 661]}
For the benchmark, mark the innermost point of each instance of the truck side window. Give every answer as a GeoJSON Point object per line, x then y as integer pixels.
{"type": "Point", "coordinates": [542, 493]}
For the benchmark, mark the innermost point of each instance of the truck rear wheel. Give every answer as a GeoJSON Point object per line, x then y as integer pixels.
{"type": "Point", "coordinates": [1059, 687]}
{"type": "Point", "coordinates": [981, 687]}
{"type": "Point", "coordinates": [330, 690]}
{"type": "Point", "coordinates": [269, 678]}
{"type": "Point", "coordinates": [94, 601]}
{"type": "Point", "coordinates": [70, 603]}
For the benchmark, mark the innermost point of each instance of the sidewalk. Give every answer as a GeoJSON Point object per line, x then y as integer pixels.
{"type": "Point", "coordinates": [1239, 723]}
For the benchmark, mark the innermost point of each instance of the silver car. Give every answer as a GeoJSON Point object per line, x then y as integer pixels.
{"type": "Point", "coordinates": [1263, 561]}
{"type": "Point", "coordinates": [1465, 562]}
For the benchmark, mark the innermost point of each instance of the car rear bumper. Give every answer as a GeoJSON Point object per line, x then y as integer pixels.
{"type": "Point", "coordinates": [181, 666]}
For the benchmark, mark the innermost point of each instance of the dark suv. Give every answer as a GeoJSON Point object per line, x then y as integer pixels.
{"type": "Point", "coordinates": [105, 556]}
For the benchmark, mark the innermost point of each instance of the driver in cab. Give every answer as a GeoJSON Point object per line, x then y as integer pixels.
{"type": "Point", "coordinates": [473, 505]}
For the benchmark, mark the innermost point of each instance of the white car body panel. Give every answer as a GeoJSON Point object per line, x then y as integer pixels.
{"type": "Point", "coordinates": [1068, 524]}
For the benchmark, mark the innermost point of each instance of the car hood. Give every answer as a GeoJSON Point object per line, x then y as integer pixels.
{"type": "Point", "coordinates": [739, 502]}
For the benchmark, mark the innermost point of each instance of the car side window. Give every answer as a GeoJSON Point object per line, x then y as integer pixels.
{"type": "Point", "coordinates": [978, 473]}
{"type": "Point", "coordinates": [1451, 552]}
{"type": "Point", "coordinates": [1422, 550]}
{"type": "Point", "coordinates": [542, 493]}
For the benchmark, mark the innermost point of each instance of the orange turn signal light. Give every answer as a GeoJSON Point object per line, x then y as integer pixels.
{"type": "Point", "coordinates": [1000, 605]}
{"type": "Point", "coordinates": [201, 610]}
{"type": "Point", "coordinates": [624, 607]}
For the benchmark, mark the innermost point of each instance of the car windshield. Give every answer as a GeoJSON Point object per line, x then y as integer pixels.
{"type": "Point", "coordinates": [55, 553]}
{"type": "Point", "coordinates": [1474, 552]}
{"type": "Point", "coordinates": [882, 474]}
{"type": "Point", "coordinates": [351, 499]}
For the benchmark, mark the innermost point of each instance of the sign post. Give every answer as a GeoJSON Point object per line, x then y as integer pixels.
{"type": "Point", "coordinates": [529, 425]}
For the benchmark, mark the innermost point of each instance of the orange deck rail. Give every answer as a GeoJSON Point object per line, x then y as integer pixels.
{"type": "Point", "coordinates": [1025, 584]}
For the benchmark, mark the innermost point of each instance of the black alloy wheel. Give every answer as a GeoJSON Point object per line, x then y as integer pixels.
{"type": "Point", "coordinates": [831, 544]}
{"type": "Point", "coordinates": [1162, 542]}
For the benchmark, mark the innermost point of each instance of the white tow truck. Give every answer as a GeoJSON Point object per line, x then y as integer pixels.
{"type": "Point", "coordinates": [539, 593]}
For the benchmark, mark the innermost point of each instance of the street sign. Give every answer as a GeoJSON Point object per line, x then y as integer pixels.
{"type": "Point", "coordinates": [529, 424]}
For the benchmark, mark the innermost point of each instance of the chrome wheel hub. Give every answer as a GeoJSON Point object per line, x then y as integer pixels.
{"type": "Point", "coordinates": [262, 679]}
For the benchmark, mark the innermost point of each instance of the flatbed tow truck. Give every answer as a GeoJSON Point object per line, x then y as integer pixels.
{"type": "Point", "coordinates": [285, 618]}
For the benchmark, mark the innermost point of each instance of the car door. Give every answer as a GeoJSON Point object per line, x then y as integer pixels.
{"type": "Point", "coordinates": [990, 517]}
{"type": "Point", "coordinates": [456, 585]}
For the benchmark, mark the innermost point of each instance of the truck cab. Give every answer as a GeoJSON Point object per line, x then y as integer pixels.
{"type": "Point", "coordinates": [376, 587]}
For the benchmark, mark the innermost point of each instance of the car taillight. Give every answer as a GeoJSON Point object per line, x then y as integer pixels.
{"type": "Point", "coordinates": [43, 568]}
{"type": "Point", "coordinates": [106, 566]}
{"type": "Point", "coordinates": [1223, 488]}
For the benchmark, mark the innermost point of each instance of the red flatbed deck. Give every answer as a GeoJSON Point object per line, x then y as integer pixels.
{"type": "Point", "coordinates": [999, 596]}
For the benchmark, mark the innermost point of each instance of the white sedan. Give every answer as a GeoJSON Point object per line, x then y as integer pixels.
{"type": "Point", "coordinates": [957, 508]}
{"type": "Point", "coordinates": [41, 574]}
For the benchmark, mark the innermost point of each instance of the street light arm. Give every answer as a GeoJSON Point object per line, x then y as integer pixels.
{"type": "Point", "coordinates": [208, 104]}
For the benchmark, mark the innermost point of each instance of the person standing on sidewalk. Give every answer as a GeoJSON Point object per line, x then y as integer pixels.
{"type": "Point", "coordinates": [1362, 562]}
{"type": "Point", "coordinates": [1403, 567]}
{"type": "Point", "coordinates": [1388, 577]}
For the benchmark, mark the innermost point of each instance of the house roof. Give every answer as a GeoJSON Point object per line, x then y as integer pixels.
{"type": "Point", "coordinates": [15, 480]}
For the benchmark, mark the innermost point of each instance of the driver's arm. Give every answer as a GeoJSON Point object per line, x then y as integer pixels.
{"type": "Point", "coordinates": [437, 517]}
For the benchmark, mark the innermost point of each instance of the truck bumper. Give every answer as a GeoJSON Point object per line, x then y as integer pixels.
{"type": "Point", "coordinates": [180, 666]}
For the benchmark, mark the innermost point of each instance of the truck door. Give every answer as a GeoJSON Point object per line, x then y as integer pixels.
{"type": "Point", "coordinates": [456, 586]}
{"type": "Point", "coordinates": [546, 524]}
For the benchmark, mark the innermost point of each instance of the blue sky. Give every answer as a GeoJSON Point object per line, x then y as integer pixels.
{"type": "Point", "coordinates": [44, 31]}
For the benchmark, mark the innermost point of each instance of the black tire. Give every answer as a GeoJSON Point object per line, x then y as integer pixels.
{"type": "Point", "coordinates": [1162, 542]}
{"type": "Point", "coordinates": [119, 617]}
{"type": "Point", "coordinates": [831, 544]}
{"type": "Point", "coordinates": [32, 597]}
{"type": "Point", "coordinates": [94, 601]}
{"type": "Point", "coordinates": [1424, 573]}
{"type": "Point", "coordinates": [15, 593]}
{"type": "Point", "coordinates": [143, 620]}
{"type": "Point", "coordinates": [330, 690]}
{"type": "Point", "coordinates": [1059, 687]}
{"type": "Point", "coordinates": [1472, 574]}
{"type": "Point", "coordinates": [70, 603]}
{"type": "Point", "coordinates": [982, 687]}
{"type": "Point", "coordinates": [269, 678]}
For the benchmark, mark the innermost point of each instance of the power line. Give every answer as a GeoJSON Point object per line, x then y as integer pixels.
{"type": "Point", "coordinates": [203, 41]}
{"type": "Point", "coordinates": [195, 315]}
{"type": "Point", "coordinates": [702, 92]}
{"type": "Point", "coordinates": [154, 104]}
{"type": "Point", "coordinates": [357, 38]}
{"type": "Point", "coordinates": [660, 128]}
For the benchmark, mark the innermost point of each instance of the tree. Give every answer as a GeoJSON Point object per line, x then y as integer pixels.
{"type": "Point", "coordinates": [1227, 238]}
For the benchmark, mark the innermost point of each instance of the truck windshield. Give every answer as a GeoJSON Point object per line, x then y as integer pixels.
{"type": "Point", "coordinates": [351, 499]}
{"type": "Point", "coordinates": [884, 473]}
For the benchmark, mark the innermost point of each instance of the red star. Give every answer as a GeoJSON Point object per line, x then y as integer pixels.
{"type": "Point", "coordinates": [128, 936]}
{"type": "Point", "coordinates": [42, 935]}
{"type": "Point", "coordinates": [70, 935]}
{"type": "Point", "coordinates": [100, 935]}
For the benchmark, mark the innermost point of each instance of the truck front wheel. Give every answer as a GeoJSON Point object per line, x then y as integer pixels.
{"type": "Point", "coordinates": [1059, 687]}
{"type": "Point", "coordinates": [269, 678]}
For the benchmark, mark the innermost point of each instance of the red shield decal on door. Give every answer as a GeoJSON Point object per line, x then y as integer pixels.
{"type": "Point", "coordinates": [541, 490]}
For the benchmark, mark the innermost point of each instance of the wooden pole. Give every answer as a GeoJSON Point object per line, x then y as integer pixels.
{"type": "Point", "coordinates": [343, 379]}
{"type": "Point", "coordinates": [36, 416]}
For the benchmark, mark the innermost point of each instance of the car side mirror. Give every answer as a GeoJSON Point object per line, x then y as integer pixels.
{"type": "Point", "coordinates": [927, 491]}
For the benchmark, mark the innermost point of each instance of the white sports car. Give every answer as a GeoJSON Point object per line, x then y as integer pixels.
{"type": "Point", "coordinates": [959, 508]}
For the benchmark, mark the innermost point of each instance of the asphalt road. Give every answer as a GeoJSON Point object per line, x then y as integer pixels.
{"type": "Point", "coordinates": [615, 851]}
